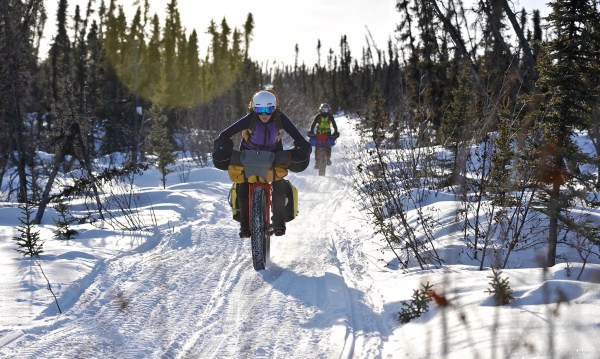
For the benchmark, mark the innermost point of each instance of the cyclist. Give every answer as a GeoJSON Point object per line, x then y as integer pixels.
{"type": "Point", "coordinates": [323, 121]}
{"type": "Point", "coordinates": [261, 130]}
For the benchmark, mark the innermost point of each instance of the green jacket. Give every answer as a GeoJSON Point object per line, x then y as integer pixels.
{"type": "Point", "coordinates": [322, 123]}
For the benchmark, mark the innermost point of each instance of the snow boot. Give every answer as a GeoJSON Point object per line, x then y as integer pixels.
{"type": "Point", "coordinates": [279, 230]}
{"type": "Point", "coordinates": [278, 205]}
{"type": "Point", "coordinates": [244, 220]}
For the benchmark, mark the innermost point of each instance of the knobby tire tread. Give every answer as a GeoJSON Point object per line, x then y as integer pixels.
{"type": "Point", "coordinates": [260, 229]}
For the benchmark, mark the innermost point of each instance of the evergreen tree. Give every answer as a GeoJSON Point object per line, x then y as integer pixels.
{"type": "Point", "coordinates": [29, 241]}
{"type": "Point", "coordinates": [500, 290]}
{"type": "Point", "coordinates": [60, 51]}
{"type": "Point", "coordinates": [503, 154]}
{"type": "Point", "coordinates": [537, 33]}
{"type": "Point", "coordinates": [19, 22]}
{"type": "Point", "coordinates": [497, 54]}
{"type": "Point", "coordinates": [116, 106]}
{"type": "Point", "coordinates": [429, 54]}
{"type": "Point", "coordinates": [565, 98]}
{"type": "Point", "coordinates": [593, 83]}
{"type": "Point", "coordinates": [248, 29]}
{"type": "Point", "coordinates": [191, 79]}
{"type": "Point", "coordinates": [457, 124]}
{"type": "Point", "coordinates": [153, 64]}
{"type": "Point", "coordinates": [173, 47]}
{"type": "Point", "coordinates": [418, 304]}
{"type": "Point", "coordinates": [345, 80]}
{"type": "Point", "coordinates": [134, 54]}
{"type": "Point", "coordinates": [161, 143]}
{"type": "Point", "coordinates": [63, 230]}
{"type": "Point", "coordinates": [94, 79]}
{"type": "Point", "coordinates": [79, 58]}
{"type": "Point", "coordinates": [224, 41]}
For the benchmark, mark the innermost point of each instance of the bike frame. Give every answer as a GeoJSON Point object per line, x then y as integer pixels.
{"type": "Point", "coordinates": [322, 139]}
{"type": "Point", "coordinates": [258, 164]}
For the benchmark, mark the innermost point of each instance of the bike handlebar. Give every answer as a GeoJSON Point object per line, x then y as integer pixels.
{"type": "Point", "coordinates": [259, 163]}
{"type": "Point", "coordinates": [312, 134]}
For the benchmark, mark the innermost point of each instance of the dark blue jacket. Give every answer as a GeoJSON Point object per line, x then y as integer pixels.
{"type": "Point", "coordinates": [266, 132]}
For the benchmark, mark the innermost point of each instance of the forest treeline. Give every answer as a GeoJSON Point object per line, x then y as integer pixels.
{"type": "Point", "coordinates": [450, 75]}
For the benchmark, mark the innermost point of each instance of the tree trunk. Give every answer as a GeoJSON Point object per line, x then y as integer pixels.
{"type": "Point", "coordinates": [553, 211]}
{"type": "Point", "coordinates": [87, 164]}
{"type": "Point", "coordinates": [14, 77]}
{"type": "Point", "coordinates": [594, 134]}
{"type": "Point", "coordinates": [528, 54]}
{"type": "Point", "coordinates": [460, 46]}
{"type": "Point", "coordinates": [46, 195]}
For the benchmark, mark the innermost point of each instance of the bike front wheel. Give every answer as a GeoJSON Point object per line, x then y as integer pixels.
{"type": "Point", "coordinates": [260, 236]}
{"type": "Point", "coordinates": [321, 160]}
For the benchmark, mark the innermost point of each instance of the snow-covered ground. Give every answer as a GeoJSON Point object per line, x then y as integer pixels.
{"type": "Point", "coordinates": [186, 288]}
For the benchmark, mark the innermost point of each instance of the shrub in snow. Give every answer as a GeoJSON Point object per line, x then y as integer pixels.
{"type": "Point", "coordinates": [29, 241]}
{"type": "Point", "coordinates": [500, 288]}
{"type": "Point", "coordinates": [63, 231]}
{"type": "Point", "coordinates": [418, 305]}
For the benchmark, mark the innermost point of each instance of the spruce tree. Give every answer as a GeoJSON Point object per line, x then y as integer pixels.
{"type": "Point", "coordinates": [60, 51]}
{"type": "Point", "coordinates": [160, 142]}
{"type": "Point", "coordinates": [500, 174]}
{"type": "Point", "coordinates": [115, 110]}
{"type": "Point", "coordinates": [417, 306]}
{"type": "Point", "coordinates": [172, 41]}
{"type": "Point", "coordinates": [94, 79]}
{"type": "Point", "coordinates": [565, 100]}
{"type": "Point", "coordinates": [455, 130]}
{"type": "Point", "coordinates": [80, 57]}
{"type": "Point", "coordinates": [191, 82]}
{"type": "Point", "coordinates": [248, 29]}
{"type": "Point", "coordinates": [19, 22]}
{"type": "Point", "coordinates": [151, 72]}
{"type": "Point", "coordinates": [501, 290]}
{"type": "Point", "coordinates": [29, 241]}
{"type": "Point", "coordinates": [63, 223]}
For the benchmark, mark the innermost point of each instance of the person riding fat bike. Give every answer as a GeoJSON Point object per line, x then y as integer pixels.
{"type": "Point", "coordinates": [322, 124]}
{"type": "Point", "coordinates": [262, 130]}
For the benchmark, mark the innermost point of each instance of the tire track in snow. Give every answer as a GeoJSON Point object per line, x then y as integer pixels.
{"type": "Point", "coordinates": [144, 299]}
{"type": "Point", "coordinates": [196, 294]}
{"type": "Point", "coordinates": [349, 284]}
{"type": "Point", "coordinates": [285, 310]}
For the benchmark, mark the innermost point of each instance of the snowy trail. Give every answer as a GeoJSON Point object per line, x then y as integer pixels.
{"type": "Point", "coordinates": [196, 294]}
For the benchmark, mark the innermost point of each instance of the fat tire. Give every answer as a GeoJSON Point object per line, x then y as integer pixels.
{"type": "Point", "coordinates": [260, 237]}
{"type": "Point", "coordinates": [322, 169]}
{"type": "Point", "coordinates": [321, 160]}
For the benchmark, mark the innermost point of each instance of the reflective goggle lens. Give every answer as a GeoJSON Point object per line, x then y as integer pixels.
{"type": "Point", "coordinates": [266, 110]}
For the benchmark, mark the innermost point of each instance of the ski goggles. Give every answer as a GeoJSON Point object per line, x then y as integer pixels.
{"type": "Point", "coordinates": [264, 110]}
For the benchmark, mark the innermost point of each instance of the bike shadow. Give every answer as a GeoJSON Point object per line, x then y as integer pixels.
{"type": "Point", "coordinates": [328, 301]}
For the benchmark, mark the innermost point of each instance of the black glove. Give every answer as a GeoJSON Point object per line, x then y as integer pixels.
{"type": "Point", "coordinates": [310, 134]}
{"type": "Point", "coordinates": [335, 134]}
{"type": "Point", "coordinates": [222, 149]}
{"type": "Point", "coordinates": [303, 146]}
{"type": "Point", "coordinates": [223, 145]}
{"type": "Point", "coordinates": [300, 156]}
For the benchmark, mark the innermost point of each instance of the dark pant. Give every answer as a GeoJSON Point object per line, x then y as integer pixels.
{"type": "Point", "coordinates": [277, 203]}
